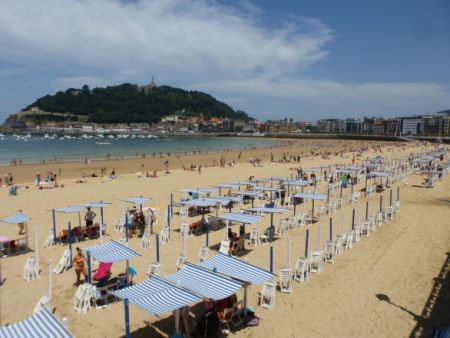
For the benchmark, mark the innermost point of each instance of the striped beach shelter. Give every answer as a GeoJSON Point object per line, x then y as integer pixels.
{"type": "Point", "coordinates": [230, 186]}
{"type": "Point", "coordinates": [311, 196]}
{"type": "Point", "coordinates": [270, 211]}
{"type": "Point", "coordinates": [109, 252]}
{"type": "Point", "coordinates": [41, 324]}
{"type": "Point", "coordinates": [156, 295]}
{"type": "Point", "coordinates": [243, 219]}
{"type": "Point", "coordinates": [251, 194]}
{"type": "Point", "coordinates": [18, 218]}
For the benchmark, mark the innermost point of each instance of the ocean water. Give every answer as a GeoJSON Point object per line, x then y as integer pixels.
{"type": "Point", "coordinates": [34, 149]}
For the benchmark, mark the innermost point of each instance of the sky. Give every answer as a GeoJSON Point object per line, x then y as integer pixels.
{"type": "Point", "coordinates": [299, 59]}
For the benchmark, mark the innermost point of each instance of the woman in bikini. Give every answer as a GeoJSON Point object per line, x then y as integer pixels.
{"type": "Point", "coordinates": [79, 263]}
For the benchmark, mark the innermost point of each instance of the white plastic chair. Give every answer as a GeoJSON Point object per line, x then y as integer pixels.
{"type": "Point", "coordinates": [180, 261]}
{"type": "Point", "coordinates": [316, 261]}
{"type": "Point", "coordinates": [285, 280]}
{"type": "Point", "coordinates": [301, 272]}
{"type": "Point", "coordinates": [330, 251]}
{"type": "Point", "coordinates": [49, 241]}
{"type": "Point", "coordinates": [281, 228]}
{"type": "Point", "coordinates": [164, 235]}
{"type": "Point", "coordinates": [267, 299]}
{"type": "Point", "coordinates": [254, 237]}
{"type": "Point", "coordinates": [184, 230]}
{"type": "Point", "coordinates": [145, 244]}
{"type": "Point", "coordinates": [154, 269]}
{"type": "Point", "coordinates": [203, 254]}
{"type": "Point", "coordinates": [225, 247]}
{"type": "Point", "coordinates": [64, 263]}
{"type": "Point", "coordinates": [30, 271]}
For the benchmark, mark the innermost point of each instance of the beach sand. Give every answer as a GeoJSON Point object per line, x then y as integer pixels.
{"type": "Point", "coordinates": [399, 260]}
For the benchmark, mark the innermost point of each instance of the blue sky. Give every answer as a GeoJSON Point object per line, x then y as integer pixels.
{"type": "Point", "coordinates": [273, 59]}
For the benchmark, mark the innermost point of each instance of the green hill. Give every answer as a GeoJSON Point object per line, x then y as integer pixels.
{"type": "Point", "coordinates": [128, 103]}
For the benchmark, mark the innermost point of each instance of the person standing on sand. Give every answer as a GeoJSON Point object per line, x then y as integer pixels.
{"type": "Point", "coordinates": [79, 262]}
{"type": "Point", "coordinates": [199, 169]}
{"type": "Point", "coordinates": [38, 178]}
{"type": "Point", "coordinates": [89, 217]}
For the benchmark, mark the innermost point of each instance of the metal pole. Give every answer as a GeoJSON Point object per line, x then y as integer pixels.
{"type": "Point", "coordinates": [306, 243]}
{"type": "Point", "coordinates": [126, 225]}
{"type": "Point", "coordinates": [381, 203]}
{"type": "Point", "coordinates": [271, 259]}
{"type": "Point", "coordinates": [54, 224]}
{"type": "Point", "coordinates": [341, 189]}
{"type": "Point", "coordinates": [353, 219]}
{"type": "Point", "coordinates": [207, 234]}
{"type": "Point", "coordinates": [171, 204]}
{"type": "Point", "coordinates": [398, 194]}
{"type": "Point", "coordinates": [157, 248]}
{"type": "Point", "coordinates": [390, 197]}
{"type": "Point", "coordinates": [50, 278]}
{"type": "Point", "coordinates": [168, 218]}
{"type": "Point", "coordinates": [367, 210]}
{"type": "Point", "coordinates": [366, 185]}
{"type": "Point", "coordinates": [69, 238]}
{"type": "Point", "coordinates": [36, 252]}
{"type": "Point", "coordinates": [127, 319]}
{"type": "Point", "coordinates": [89, 267]}
{"type": "Point", "coordinates": [331, 228]}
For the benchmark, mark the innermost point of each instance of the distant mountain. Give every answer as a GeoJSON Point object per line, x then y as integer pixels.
{"type": "Point", "coordinates": [127, 103]}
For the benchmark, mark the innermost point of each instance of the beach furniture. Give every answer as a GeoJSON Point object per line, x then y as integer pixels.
{"type": "Point", "coordinates": [224, 247]}
{"type": "Point", "coordinates": [154, 269]}
{"type": "Point", "coordinates": [83, 297]}
{"type": "Point", "coordinates": [64, 263]}
{"type": "Point", "coordinates": [348, 240]}
{"type": "Point", "coordinates": [231, 317]}
{"type": "Point", "coordinates": [330, 251]}
{"type": "Point", "coordinates": [267, 295]}
{"type": "Point", "coordinates": [145, 240]}
{"type": "Point", "coordinates": [203, 254]}
{"type": "Point", "coordinates": [316, 260]}
{"type": "Point", "coordinates": [180, 261]}
{"type": "Point", "coordinates": [301, 270]}
{"type": "Point", "coordinates": [184, 230]}
{"type": "Point", "coordinates": [164, 235]}
{"type": "Point", "coordinates": [281, 227]}
{"type": "Point", "coordinates": [30, 269]}
{"type": "Point", "coordinates": [285, 280]}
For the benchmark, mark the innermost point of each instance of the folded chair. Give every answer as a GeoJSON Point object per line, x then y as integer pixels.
{"type": "Point", "coordinates": [180, 262]}
{"type": "Point", "coordinates": [164, 235]}
{"type": "Point", "coordinates": [301, 270]}
{"type": "Point", "coordinates": [225, 247]}
{"type": "Point", "coordinates": [64, 263]}
{"type": "Point", "coordinates": [203, 254]}
{"type": "Point", "coordinates": [285, 280]}
{"type": "Point", "coordinates": [145, 244]}
{"type": "Point", "coordinates": [154, 269]}
{"type": "Point", "coordinates": [49, 241]}
{"type": "Point", "coordinates": [267, 298]}
{"type": "Point", "coordinates": [30, 271]}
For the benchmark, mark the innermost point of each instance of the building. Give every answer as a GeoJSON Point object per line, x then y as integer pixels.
{"type": "Point", "coordinates": [412, 125]}
{"type": "Point", "coordinates": [353, 125]}
{"type": "Point", "coordinates": [170, 118]}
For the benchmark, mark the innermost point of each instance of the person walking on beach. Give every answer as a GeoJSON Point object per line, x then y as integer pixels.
{"type": "Point", "coordinates": [38, 178]}
{"type": "Point", "coordinates": [89, 217]}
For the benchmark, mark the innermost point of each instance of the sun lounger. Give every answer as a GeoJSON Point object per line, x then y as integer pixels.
{"type": "Point", "coordinates": [64, 263]}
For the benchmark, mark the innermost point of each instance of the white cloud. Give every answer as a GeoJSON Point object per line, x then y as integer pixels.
{"type": "Point", "coordinates": [224, 49]}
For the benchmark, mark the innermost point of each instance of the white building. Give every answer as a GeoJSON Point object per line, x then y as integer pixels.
{"type": "Point", "coordinates": [412, 125]}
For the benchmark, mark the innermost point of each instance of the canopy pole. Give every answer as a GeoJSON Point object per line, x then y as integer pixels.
{"type": "Point", "coordinates": [127, 265]}
{"type": "Point", "coordinates": [36, 252]}
{"type": "Point", "coordinates": [366, 185]}
{"type": "Point", "coordinates": [185, 245]}
{"type": "Point", "coordinates": [288, 249]}
{"type": "Point", "coordinates": [171, 204]}
{"type": "Point", "coordinates": [367, 210]}
{"type": "Point", "coordinates": [126, 225]}
{"type": "Point", "coordinates": [398, 194]}
{"type": "Point", "coordinates": [69, 239]}
{"type": "Point", "coordinates": [177, 321]}
{"type": "Point", "coordinates": [245, 299]}
{"type": "Point", "coordinates": [207, 234]}
{"type": "Point", "coordinates": [89, 267]}
{"type": "Point", "coordinates": [26, 236]}
{"type": "Point", "coordinates": [331, 228]}
{"type": "Point", "coordinates": [390, 197]}
{"type": "Point", "coordinates": [50, 280]}
{"type": "Point", "coordinates": [271, 259]}
{"type": "Point", "coordinates": [157, 248]}
{"type": "Point", "coordinates": [101, 212]}
{"type": "Point", "coordinates": [381, 203]}
{"type": "Point", "coordinates": [54, 225]}
{"type": "Point", "coordinates": [127, 318]}
{"type": "Point", "coordinates": [353, 219]}
{"type": "Point", "coordinates": [228, 226]}
{"type": "Point", "coordinates": [306, 243]}
{"type": "Point", "coordinates": [168, 218]}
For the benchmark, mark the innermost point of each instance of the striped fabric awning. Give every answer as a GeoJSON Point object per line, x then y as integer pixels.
{"type": "Point", "coordinates": [96, 205]}
{"type": "Point", "coordinates": [247, 183]}
{"type": "Point", "coordinates": [41, 324]}
{"type": "Point", "coordinates": [237, 268]}
{"type": "Point", "coordinates": [258, 188]}
{"type": "Point", "coordinates": [297, 183]}
{"type": "Point", "coordinates": [201, 202]}
{"type": "Point", "coordinates": [137, 200]}
{"type": "Point", "coordinates": [228, 186]}
{"type": "Point", "coordinates": [70, 210]}
{"type": "Point", "coordinates": [379, 174]}
{"type": "Point", "coordinates": [226, 199]}
{"type": "Point", "coordinates": [249, 193]}
{"type": "Point", "coordinates": [241, 218]}
{"type": "Point", "coordinates": [111, 252]}
{"type": "Point", "coordinates": [19, 217]}
{"type": "Point", "coordinates": [207, 190]}
{"type": "Point", "coordinates": [205, 282]}
{"type": "Point", "coordinates": [268, 210]}
{"type": "Point", "coordinates": [311, 196]}
{"type": "Point", "coordinates": [157, 295]}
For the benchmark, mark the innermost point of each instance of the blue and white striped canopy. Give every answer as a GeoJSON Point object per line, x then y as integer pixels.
{"type": "Point", "coordinates": [311, 196]}
{"type": "Point", "coordinates": [70, 210]}
{"type": "Point", "coordinates": [268, 210]}
{"type": "Point", "coordinates": [298, 183]}
{"type": "Point", "coordinates": [157, 295]}
{"type": "Point", "coordinates": [379, 174]}
{"type": "Point", "coordinates": [207, 190]}
{"type": "Point", "coordinates": [278, 178]}
{"type": "Point", "coordinates": [137, 200]}
{"type": "Point", "coordinates": [96, 205]}
{"type": "Point", "coordinates": [201, 202]}
{"type": "Point", "coordinates": [241, 218]}
{"type": "Point", "coordinates": [225, 199]}
{"type": "Point", "coordinates": [265, 189]}
{"type": "Point", "coordinates": [111, 252]}
{"type": "Point", "coordinates": [205, 282]}
{"type": "Point", "coordinates": [19, 217]}
{"type": "Point", "coordinates": [237, 268]}
{"type": "Point", "coordinates": [41, 324]}
{"type": "Point", "coordinates": [228, 186]}
{"type": "Point", "coordinates": [247, 183]}
{"type": "Point", "coordinates": [249, 193]}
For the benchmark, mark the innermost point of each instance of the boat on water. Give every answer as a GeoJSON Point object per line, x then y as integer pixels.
{"type": "Point", "coordinates": [102, 143]}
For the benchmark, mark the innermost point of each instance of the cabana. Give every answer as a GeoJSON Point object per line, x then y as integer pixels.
{"type": "Point", "coordinates": [267, 189]}
{"type": "Point", "coordinates": [311, 196]}
{"type": "Point", "coordinates": [243, 219]}
{"type": "Point", "coordinates": [251, 194]}
{"type": "Point", "coordinates": [270, 211]}
{"type": "Point", "coordinates": [231, 186]}
{"type": "Point", "coordinates": [380, 174]}
{"type": "Point", "coordinates": [110, 252]}
{"type": "Point", "coordinates": [40, 324]}
{"type": "Point", "coordinates": [295, 183]}
{"type": "Point", "coordinates": [71, 230]}
{"type": "Point", "coordinates": [137, 200]}
{"type": "Point", "coordinates": [19, 245]}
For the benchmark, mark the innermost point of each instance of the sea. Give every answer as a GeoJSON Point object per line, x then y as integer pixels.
{"type": "Point", "coordinates": [24, 149]}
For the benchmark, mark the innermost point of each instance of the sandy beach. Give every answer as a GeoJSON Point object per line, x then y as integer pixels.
{"type": "Point", "coordinates": [400, 260]}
